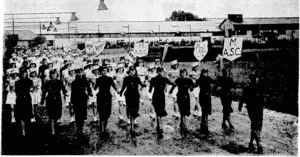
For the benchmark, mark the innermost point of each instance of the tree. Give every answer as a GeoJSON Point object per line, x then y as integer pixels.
{"type": "Point", "coordinates": [39, 40]}
{"type": "Point", "coordinates": [184, 16]}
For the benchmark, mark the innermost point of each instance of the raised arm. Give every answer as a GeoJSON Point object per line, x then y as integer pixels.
{"type": "Point", "coordinates": [173, 87]}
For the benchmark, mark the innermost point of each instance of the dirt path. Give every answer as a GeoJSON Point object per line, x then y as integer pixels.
{"type": "Point", "coordinates": [279, 136]}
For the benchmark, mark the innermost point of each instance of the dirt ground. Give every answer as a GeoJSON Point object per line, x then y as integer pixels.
{"type": "Point", "coordinates": [279, 135]}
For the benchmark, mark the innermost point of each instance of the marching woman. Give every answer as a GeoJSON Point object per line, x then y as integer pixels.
{"type": "Point", "coordinates": [184, 84]}
{"type": "Point", "coordinates": [226, 84]}
{"type": "Point", "coordinates": [69, 78]}
{"type": "Point", "coordinates": [173, 75]}
{"type": "Point", "coordinates": [81, 90]}
{"type": "Point", "coordinates": [142, 72]}
{"type": "Point", "coordinates": [151, 74]}
{"type": "Point", "coordinates": [23, 100]}
{"type": "Point", "coordinates": [254, 99]}
{"type": "Point", "coordinates": [35, 92]}
{"type": "Point", "coordinates": [194, 75]}
{"type": "Point", "coordinates": [93, 99]}
{"type": "Point", "coordinates": [11, 95]}
{"type": "Point", "coordinates": [52, 96]}
{"type": "Point", "coordinates": [158, 101]}
{"type": "Point", "coordinates": [120, 75]}
{"type": "Point", "coordinates": [47, 71]}
{"type": "Point", "coordinates": [104, 99]}
{"type": "Point", "coordinates": [131, 84]}
{"type": "Point", "coordinates": [204, 82]}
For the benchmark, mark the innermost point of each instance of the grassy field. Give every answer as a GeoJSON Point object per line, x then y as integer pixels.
{"type": "Point", "coordinates": [279, 135]}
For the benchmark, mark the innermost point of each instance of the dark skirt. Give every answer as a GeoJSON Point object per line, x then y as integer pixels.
{"type": "Point", "coordinates": [23, 108]}
{"type": "Point", "coordinates": [132, 105]}
{"type": "Point", "coordinates": [205, 103]}
{"type": "Point", "coordinates": [104, 105]}
{"type": "Point", "coordinates": [159, 103]}
{"type": "Point", "coordinates": [80, 110]}
{"type": "Point", "coordinates": [226, 103]}
{"type": "Point", "coordinates": [54, 108]}
{"type": "Point", "coordinates": [184, 106]}
{"type": "Point", "coordinates": [256, 117]}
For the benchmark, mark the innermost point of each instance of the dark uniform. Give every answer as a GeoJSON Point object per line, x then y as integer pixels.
{"type": "Point", "coordinates": [253, 97]}
{"type": "Point", "coordinates": [132, 96]}
{"type": "Point", "coordinates": [53, 98]}
{"type": "Point", "coordinates": [226, 84]}
{"type": "Point", "coordinates": [183, 96]}
{"type": "Point", "coordinates": [104, 96]}
{"type": "Point", "coordinates": [23, 107]}
{"type": "Point", "coordinates": [158, 99]}
{"type": "Point", "coordinates": [204, 82]}
{"type": "Point", "coordinates": [79, 97]}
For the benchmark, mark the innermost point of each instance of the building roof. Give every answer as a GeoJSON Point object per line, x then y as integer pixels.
{"type": "Point", "coordinates": [134, 27]}
{"type": "Point", "coordinates": [273, 20]}
{"type": "Point", "coordinates": [22, 34]}
{"type": "Point", "coordinates": [260, 21]}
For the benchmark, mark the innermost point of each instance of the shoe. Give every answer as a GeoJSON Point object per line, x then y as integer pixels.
{"type": "Point", "coordinates": [231, 127]}
{"type": "Point", "coordinates": [32, 120]}
{"type": "Point", "coordinates": [260, 149]}
{"type": "Point", "coordinates": [72, 119]}
{"type": "Point", "coordinates": [224, 126]}
{"type": "Point", "coordinates": [13, 120]}
{"type": "Point", "coordinates": [251, 148]}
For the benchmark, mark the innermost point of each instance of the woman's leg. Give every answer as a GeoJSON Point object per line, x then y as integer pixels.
{"type": "Point", "coordinates": [71, 111]}
{"type": "Point", "coordinates": [13, 119]}
{"type": "Point", "coordinates": [23, 127]}
{"type": "Point", "coordinates": [53, 125]}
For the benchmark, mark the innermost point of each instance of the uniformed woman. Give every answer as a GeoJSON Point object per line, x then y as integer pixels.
{"type": "Point", "coordinates": [131, 84]}
{"type": "Point", "coordinates": [104, 98]}
{"type": "Point", "coordinates": [204, 82]}
{"type": "Point", "coordinates": [226, 84]}
{"type": "Point", "coordinates": [184, 84]}
{"type": "Point", "coordinates": [23, 100]}
{"type": "Point", "coordinates": [81, 90]}
{"type": "Point", "coordinates": [52, 96]}
{"type": "Point", "coordinates": [253, 97]}
{"type": "Point", "coordinates": [158, 99]}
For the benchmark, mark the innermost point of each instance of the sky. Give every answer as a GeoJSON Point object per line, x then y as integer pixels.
{"type": "Point", "coordinates": [155, 10]}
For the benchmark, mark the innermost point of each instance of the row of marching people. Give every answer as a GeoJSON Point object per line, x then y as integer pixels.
{"type": "Point", "coordinates": [126, 82]}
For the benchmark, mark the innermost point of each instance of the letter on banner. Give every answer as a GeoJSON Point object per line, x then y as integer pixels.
{"type": "Point", "coordinates": [99, 46]}
{"type": "Point", "coordinates": [140, 49]}
{"type": "Point", "coordinates": [165, 52]}
{"type": "Point", "coordinates": [89, 48]}
{"type": "Point", "coordinates": [200, 50]}
{"type": "Point", "coordinates": [233, 48]}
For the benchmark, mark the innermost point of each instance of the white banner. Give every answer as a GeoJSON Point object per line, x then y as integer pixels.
{"type": "Point", "coordinates": [99, 46]}
{"type": "Point", "coordinates": [73, 45]}
{"type": "Point", "coordinates": [141, 49]}
{"type": "Point", "coordinates": [233, 48]}
{"type": "Point", "coordinates": [201, 49]}
{"type": "Point", "coordinates": [89, 47]}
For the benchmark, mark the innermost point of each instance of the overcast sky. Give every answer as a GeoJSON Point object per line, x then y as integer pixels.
{"type": "Point", "coordinates": [156, 10]}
